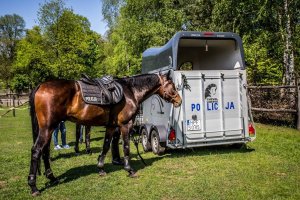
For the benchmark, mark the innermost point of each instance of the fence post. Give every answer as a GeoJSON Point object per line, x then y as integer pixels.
{"type": "Point", "coordinates": [298, 102]}
{"type": "Point", "coordinates": [14, 112]}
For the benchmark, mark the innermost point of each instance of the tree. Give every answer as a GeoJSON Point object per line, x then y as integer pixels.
{"type": "Point", "coordinates": [48, 15]}
{"type": "Point", "coordinates": [77, 50]}
{"type": "Point", "coordinates": [31, 65]}
{"type": "Point", "coordinates": [11, 31]}
{"type": "Point", "coordinates": [110, 11]}
{"type": "Point", "coordinates": [140, 25]}
{"type": "Point", "coordinates": [71, 43]}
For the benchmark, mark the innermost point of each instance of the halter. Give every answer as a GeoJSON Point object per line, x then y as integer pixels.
{"type": "Point", "coordinates": [164, 91]}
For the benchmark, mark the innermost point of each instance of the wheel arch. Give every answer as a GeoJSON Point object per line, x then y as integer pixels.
{"type": "Point", "coordinates": [160, 129]}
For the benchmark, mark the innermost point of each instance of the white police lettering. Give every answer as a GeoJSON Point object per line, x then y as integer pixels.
{"type": "Point", "coordinates": [91, 98]}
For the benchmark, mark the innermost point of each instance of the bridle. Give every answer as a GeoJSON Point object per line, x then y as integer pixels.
{"type": "Point", "coordinates": [165, 94]}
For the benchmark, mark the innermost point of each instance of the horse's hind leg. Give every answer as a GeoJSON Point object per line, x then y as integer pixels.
{"type": "Point", "coordinates": [36, 152]}
{"type": "Point", "coordinates": [106, 145]}
{"type": "Point", "coordinates": [87, 139]}
{"type": "Point", "coordinates": [46, 157]}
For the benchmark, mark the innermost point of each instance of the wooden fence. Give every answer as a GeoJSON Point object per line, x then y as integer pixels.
{"type": "Point", "coordinates": [293, 95]}
{"type": "Point", "coordinates": [12, 101]}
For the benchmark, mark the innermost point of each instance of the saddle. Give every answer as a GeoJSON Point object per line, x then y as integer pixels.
{"type": "Point", "coordinates": [100, 91]}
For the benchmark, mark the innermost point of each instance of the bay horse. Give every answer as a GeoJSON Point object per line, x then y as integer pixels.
{"type": "Point", "coordinates": [61, 100]}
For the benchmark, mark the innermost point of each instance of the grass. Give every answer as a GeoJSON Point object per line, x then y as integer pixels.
{"type": "Point", "coordinates": [268, 169]}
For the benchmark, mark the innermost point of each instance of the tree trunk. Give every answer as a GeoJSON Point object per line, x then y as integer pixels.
{"type": "Point", "coordinates": [288, 55]}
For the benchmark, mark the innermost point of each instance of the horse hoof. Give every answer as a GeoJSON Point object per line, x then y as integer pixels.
{"type": "Point", "coordinates": [35, 194]}
{"type": "Point", "coordinates": [133, 175]}
{"type": "Point", "coordinates": [102, 173]}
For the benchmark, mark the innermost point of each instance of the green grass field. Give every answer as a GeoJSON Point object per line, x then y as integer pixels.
{"type": "Point", "coordinates": [268, 169]}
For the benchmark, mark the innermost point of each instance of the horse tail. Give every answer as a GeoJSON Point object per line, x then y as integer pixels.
{"type": "Point", "coordinates": [34, 122]}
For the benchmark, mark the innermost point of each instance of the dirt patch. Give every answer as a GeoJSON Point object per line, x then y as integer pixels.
{"type": "Point", "coordinates": [3, 184]}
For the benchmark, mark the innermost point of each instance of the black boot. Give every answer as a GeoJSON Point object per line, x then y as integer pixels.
{"type": "Point", "coordinates": [116, 159]}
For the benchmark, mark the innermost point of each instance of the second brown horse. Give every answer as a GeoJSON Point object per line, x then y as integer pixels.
{"type": "Point", "coordinates": [55, 101]}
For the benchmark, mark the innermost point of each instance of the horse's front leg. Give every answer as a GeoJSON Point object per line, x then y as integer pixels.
{"type": "Point", "coordinates": [78, 129]}
{"type": "Point", "coordinates": [116, 159]}
{"type": "Point", "coordinates": [106, 145]}
{"type": "Point", "coordinates": [125, 130]}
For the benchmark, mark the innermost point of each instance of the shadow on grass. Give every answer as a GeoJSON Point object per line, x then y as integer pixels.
{"type": "Point", "coordinates": [209, 150]}
{"type": "Point", "coordinates": [96, 150]}
{"type": "Point", "coordinates": [91, 140]}
{"type": "Point", "coordinates": [82, 171]}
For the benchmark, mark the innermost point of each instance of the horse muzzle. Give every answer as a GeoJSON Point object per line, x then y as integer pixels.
{"type": "Point", "coordinates": [177, 101]}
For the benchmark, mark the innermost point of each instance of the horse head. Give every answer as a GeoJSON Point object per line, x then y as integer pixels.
{"type": "Point", "coordinates": [168, 91]}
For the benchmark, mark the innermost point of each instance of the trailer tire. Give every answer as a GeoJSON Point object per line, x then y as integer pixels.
{"type": "Point", "coordinates": [145, 142]}
{"type": "Point", "coordinates": [155, 144]}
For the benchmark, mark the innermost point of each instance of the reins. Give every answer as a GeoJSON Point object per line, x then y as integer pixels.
{"type": "Point", "coordinates": [135, 140]}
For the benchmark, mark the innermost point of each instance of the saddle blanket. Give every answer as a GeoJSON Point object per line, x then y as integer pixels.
{"type": "Point", "coordinates": [100, 91]}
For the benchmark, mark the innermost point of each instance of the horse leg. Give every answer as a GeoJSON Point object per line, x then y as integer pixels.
{"type": "Point", "coordinates": [46, 157]}
{"type": "Point", "coordinates": [126, 148]}
{"type": "Point", "coordinates": [76, 147]}
{"type": "Point", "coordinates": [87, 139]}
{"type": "Point", "coordinates": [116, 159]}
{"type": "Point", "coordinates": [36, 152]}
{"type": "Point", "coordinates": [106, 145]}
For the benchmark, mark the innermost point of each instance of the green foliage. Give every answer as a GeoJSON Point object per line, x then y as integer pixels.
{"type": "Point", "coordinates": [11, 30]}
{"type": "Point", "coordinates": [32, 59]}
{"type": "Point", "coordinates": [262, 69]}
{"type": "Point", "coordinates": [64, 47]}
{"type": "Point", "coordinates": [140, 25]}
{"type": "Point", "coordinates": [20, 82]}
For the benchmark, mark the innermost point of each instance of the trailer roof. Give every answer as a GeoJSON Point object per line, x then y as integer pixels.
{"type": "Point", "coordinates": [165, 56]}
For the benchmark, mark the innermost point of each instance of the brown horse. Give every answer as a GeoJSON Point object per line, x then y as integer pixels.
{"type": "Point", "coordinates": [55, 101]}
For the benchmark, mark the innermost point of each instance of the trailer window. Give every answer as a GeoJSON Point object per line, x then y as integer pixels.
{"type": "Point", "coordinates": [186, 66]}
{"type": "Point", "coordinates": [208, 54]}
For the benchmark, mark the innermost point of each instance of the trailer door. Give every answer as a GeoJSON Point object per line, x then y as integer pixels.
{"type": "Point", "coordinates": [212, 106]}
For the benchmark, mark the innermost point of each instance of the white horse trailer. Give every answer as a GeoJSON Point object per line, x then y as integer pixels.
{"type": "Point", "coordinates": [208, 69]}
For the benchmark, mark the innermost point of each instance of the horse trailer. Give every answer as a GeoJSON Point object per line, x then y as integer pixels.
{"type": "Point", "coordinates": [208, 69]}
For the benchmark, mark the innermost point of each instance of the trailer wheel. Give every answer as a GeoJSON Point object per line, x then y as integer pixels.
{"type": "Point", "coordinates": [145, 142]}
{"type": "Point", "coordinates": [155, 144]}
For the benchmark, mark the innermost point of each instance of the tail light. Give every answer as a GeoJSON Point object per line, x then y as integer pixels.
{"type": "Point", "coordinates": [251, 130]}
{"type": "Point", "coordinates": [209, 33]}
{"type": "Point", "coordinates": [172, 135]}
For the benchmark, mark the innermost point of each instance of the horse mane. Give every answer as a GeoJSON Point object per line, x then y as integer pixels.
{"type": "Point", "coordinates": [140, 82]}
